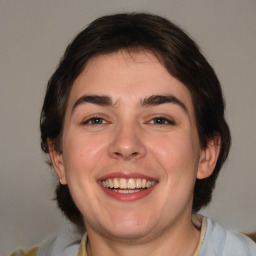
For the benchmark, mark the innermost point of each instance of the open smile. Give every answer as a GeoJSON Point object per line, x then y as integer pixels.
{"type": "Point", "coordinates": [122, 185]}
{"type": "Point", "coordinates": [128, 189]}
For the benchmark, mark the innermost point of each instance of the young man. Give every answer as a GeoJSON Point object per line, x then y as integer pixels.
{"type": "Point", "coordinates": [133, 121]}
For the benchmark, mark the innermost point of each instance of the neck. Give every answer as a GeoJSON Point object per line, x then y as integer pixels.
{"type": "Point", "coordinates": [179, 240]}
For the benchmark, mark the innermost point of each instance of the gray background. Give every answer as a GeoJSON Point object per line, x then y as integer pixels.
{"type": "Point", "coordinates": [33, 36]}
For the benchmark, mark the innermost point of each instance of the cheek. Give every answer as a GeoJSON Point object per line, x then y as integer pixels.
{"type": "Point", "coordinates": [83, 153]}
{"type": "Point", "coordinates": [177, 156]}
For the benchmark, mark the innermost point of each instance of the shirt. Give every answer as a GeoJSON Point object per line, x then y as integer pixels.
{"type": "Point", "coordinates": [214, 241]}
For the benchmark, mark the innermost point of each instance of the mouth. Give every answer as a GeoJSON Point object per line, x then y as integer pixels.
{"type": "Point", "coordinates": [128, 189]}
{"type": "Point", "coordinates": [122, 185]}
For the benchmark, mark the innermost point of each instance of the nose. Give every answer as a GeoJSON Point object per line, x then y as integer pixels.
{"type": "Point", "coordinates": [127, 143]}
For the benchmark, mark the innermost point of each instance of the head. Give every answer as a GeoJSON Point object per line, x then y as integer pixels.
{"type": "Point", "coordinates": [178, 54]}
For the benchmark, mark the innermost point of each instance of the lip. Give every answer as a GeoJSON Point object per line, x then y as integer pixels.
{"type": "Point", "coordinates": [127, 197]}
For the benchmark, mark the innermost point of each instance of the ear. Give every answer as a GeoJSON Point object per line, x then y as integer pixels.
{"type": "Point", "coordinates": [208, 158]}
{"type": "Point", "coordinates": [57, 162]}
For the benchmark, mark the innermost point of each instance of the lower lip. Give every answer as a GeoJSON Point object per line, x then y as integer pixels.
{"type": "Point", "coordinates": [128, 196]}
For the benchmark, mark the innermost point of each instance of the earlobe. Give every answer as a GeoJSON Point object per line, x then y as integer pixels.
{"type": "Point", "coordinates": [208, 158]}
{"type": "Point", "coordinates": [57, 162]}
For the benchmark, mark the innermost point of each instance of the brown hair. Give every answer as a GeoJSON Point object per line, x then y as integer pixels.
{"type": "Point", "coordinates": [177, 52]}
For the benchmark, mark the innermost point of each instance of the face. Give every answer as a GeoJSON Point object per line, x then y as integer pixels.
{"type": "Point", "coordinates": [131, 151]}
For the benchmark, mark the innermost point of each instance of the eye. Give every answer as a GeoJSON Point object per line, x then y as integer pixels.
{"type": "Point", "coordinates": [161, 121]}
{"type": "Point", "coordinates": [95, 121]}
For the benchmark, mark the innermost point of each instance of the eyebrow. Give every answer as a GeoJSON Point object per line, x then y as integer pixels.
{"type": "Point", "coordinates": [93, 99]}
{"type": "Point", "coordinates": [155, 100]}
{"type": "Point", "coordinates": [152, 100]}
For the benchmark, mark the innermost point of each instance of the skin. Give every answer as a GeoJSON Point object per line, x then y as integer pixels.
{"type": "Point", "coordinates": [127, 138]}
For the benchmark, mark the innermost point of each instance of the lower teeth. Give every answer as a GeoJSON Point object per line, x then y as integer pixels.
{"type": "Point", "coordinates": [124, 191]}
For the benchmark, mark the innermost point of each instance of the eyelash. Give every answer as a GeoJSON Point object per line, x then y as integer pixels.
{"type": "Point", "coordinates": [156, 121]}
{"type": "Point", "coordinates": [92, 120]}
{"type": "Point", "coordinates": [161, 119]}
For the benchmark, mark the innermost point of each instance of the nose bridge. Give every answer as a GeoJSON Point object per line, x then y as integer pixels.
{"type": "Point", "coordinates": [127, 141]}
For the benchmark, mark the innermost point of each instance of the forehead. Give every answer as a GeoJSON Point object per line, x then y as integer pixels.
{"type": "Point", "coordinates": [129, 76]}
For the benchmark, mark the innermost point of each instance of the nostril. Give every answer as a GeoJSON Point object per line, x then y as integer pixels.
{"type": "Point", "coordinates": [119, 154]}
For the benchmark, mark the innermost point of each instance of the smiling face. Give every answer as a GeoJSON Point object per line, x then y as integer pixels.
{"type": "Point", "coordinates": [130, 147]}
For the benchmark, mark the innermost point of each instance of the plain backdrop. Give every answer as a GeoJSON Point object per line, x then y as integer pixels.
{"type": "Point", "coordinates": [33, 36]}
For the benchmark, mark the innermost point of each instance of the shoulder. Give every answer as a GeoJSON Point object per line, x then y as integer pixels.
{"type": "Point", "coordinates": [32, 252]}
{"type": "Point", "coordinates": [239, 244]}
{"type": "Point", "coordinates": [64, 242]}
{"type": "Point", "coordinates": [219, 241]}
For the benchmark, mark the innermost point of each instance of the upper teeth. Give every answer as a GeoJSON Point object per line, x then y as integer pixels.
{"type": "Point", "coordinates": [127, 183]}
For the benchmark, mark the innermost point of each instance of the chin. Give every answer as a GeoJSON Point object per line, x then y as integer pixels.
{"type": "Point", "coordinates": [129, 228]}
{"type": "Point", "coordinates": [132, 234]}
